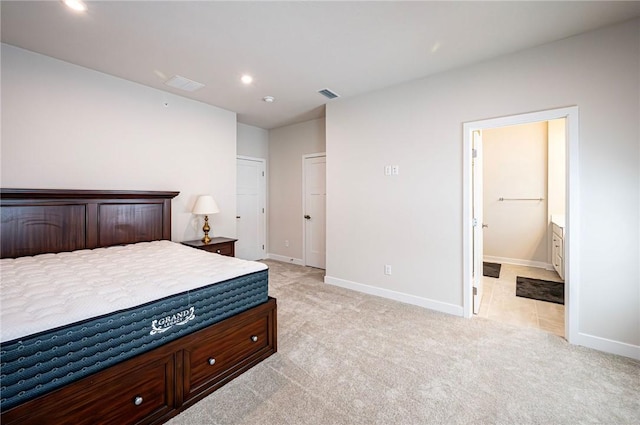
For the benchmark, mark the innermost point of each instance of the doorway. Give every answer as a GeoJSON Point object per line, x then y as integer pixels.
{"type": "Point", "coordinates": [523, 192]}
{"type": "Point", "coordinates": [251, 208]}
{"type": "Point", "coordinates": [314, 208]}
{"type": "Point", "coordinates": [473, 229]}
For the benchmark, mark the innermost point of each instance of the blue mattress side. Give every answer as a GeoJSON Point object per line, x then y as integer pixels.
{"type": "Point", "coordinates": [40, 363]}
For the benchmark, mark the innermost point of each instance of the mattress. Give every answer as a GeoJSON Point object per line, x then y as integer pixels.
{"type": "Point", "coordinates": [65, 316]}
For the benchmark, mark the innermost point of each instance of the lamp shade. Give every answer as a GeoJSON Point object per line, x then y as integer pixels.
{"type": "Point", "coordinates": [205, 205]}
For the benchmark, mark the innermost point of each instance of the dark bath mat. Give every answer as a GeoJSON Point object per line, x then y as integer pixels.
{"type": "Point", "coordinates": [542, 290]}
{"type": "Point", "coordinates": [491, 269]}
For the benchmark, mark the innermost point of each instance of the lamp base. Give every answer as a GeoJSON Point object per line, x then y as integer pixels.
{"type": "Point", "coordinates": [206, 229]}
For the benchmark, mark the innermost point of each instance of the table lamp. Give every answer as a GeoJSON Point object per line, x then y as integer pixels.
{"type": "Point", "coordinates": [205, 205]}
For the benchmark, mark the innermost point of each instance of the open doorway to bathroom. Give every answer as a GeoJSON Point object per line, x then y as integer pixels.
{"type": "Point", "coordinates": [522, 206]}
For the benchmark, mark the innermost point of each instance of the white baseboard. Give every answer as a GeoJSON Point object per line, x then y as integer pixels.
{"type": "Point", "coordinates": [518, 262]}
{"type": "Point", "coordinates": [585, 340]}
{"type": "Point", "coordinates": [452, 309]}
{"type": "Point", "coordinates": [607, 345]}
{"type": "Point", "coordinates": [282, 258]}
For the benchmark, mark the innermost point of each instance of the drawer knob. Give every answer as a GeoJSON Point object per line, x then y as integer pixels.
{"type": "Point", "coordinates": [138, 401]}
{"type": "Point", "coordinates": [218, 251]}
{"type": "Point", "coordinates": [212, 361]}
{"type": "Point", "coordinates": [254, 338]}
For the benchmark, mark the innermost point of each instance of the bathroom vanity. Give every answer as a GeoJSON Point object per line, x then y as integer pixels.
{"type": "Point", "coordinates": [557, 245]}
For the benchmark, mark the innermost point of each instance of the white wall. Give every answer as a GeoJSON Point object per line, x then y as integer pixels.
{"type": "Point", "coordinates": [68, 127]}
{"type": "Point", "coordinates": [414, 221]}
{"type": "Point", "coordinates": [515, 166]}
{"type": "Point", "coordinates": [252, 141]}
{"type": "Point", "coordinates": [287, 145]}
{"type": "Point", "coordinates": [557, 187]}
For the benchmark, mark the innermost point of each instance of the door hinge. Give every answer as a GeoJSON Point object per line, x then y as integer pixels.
{"type": "Point", "coordinates": [263, 174]}
{"type": "Point", "coordinates": [263, 247]}
{"type": "Point", "coordinates": [474, 222]}
{"type": "Point", "coordinates": [263, 211]}
{"type": "Point", "coordinates": [474, 153]}
{"type": "Point", "coordinates": [475, 290]}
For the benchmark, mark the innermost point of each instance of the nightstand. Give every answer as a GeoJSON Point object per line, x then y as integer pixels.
{"type": "Point", "coordinates": [222, 246]}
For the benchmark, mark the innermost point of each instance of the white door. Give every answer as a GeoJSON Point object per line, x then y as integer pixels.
{"type": "Point", "coordinates": [250, 213]}
{"type": "Point", "coordinates": [476, 166]}
{"type": "Point", "coordinates": [315, 196]}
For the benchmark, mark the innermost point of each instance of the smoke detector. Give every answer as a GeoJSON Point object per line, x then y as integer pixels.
{"type": "Point", "coordinates": [269, 99]}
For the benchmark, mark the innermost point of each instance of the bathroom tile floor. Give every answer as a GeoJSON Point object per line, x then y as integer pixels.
{"type": "Point", "coordinates": [499, 301]}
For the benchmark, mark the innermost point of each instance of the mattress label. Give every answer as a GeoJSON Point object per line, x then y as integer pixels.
{"type": "Point", "coordinates": [159, 326]}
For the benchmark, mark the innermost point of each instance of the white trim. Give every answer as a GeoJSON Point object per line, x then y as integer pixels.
{"type": "Point", "coordinates": [304, 199]}
{"type": "Point", "coordinates": [518, 262]}
{"type": "Point", "coordinates": [455, 310]}
{"type": "Point", "coordinates": [283, 259]}
{"type": "Point", "coordinates": [608, 345]}
{"type": "Point", "coordinates": [264, 189]}
{"type": "Point", "coordinates": [573, 226]}
{"type": "Point", "coordinates": [251, 158]}
{"type": "Point", "coordinates": [467, 219]}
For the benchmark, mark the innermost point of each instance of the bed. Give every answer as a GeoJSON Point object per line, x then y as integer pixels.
{"type": "Point", "coordinates": [104, 320]}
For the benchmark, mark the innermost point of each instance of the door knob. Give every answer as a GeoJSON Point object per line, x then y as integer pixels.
{"type": "Point", "coordinates": [484, 225]}
{"type": "Point", "coordinates": [308, 217]}
{"type": "Point", "coordinates": [237, 216]}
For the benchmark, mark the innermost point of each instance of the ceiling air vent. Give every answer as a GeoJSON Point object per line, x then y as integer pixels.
{"type": "Point", "coordinates": [183, 83]}
{"type": "Point", "coordinates": [328, 94]}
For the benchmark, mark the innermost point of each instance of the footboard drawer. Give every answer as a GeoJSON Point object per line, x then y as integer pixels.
{"type": "Point", "coordinates": [151, 388]}
{"type": "Point", "coordinates": [129, 393]}
{"type": "Point", "coordinates": [220, 353]}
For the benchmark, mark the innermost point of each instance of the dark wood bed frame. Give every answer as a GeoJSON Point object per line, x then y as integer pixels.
{"type": "Point", "coordinates": [157, 385]}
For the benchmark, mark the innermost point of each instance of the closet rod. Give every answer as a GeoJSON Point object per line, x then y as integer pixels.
{"type": "Point", "coordinates": [520, 199]}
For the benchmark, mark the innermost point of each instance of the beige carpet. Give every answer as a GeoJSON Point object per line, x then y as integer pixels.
{"type": "Point", "coordinates": [350, 358]}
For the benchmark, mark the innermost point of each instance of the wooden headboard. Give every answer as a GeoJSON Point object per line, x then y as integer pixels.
{"type": "Point", "coordinates": [36, 221]}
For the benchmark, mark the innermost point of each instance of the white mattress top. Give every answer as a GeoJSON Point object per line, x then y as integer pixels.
{"type": "Point", "coordinates": [51, 290]}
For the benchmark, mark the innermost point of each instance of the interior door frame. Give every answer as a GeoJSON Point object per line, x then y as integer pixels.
{"type": "Point", "coordinates": [477, 228]}
{"type": "Point", "coordinates": [304, 200]}
{"type": "Point", "coordinates": [572, 235]}
{"type": "Point", "coordinates": [265, 197]}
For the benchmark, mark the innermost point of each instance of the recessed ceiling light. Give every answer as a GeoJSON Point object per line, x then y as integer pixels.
{"type": "Point", "coordinates": [246, 79]}
{"type": "Point", "coordinates": [77, 5]}
{"type": "Point", "coordinates": [269, 99]}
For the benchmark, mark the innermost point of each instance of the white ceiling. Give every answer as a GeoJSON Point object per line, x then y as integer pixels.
{"type": "Point", "coordinates": [292, 49]}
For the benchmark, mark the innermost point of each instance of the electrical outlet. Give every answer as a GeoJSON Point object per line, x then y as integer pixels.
{"type": "Point", "coordinates": [387, 269]}
{"type": "Point", "coordinates": [286, 243]}
{"type": "Point", "coordinates": [395, 170]}
{"type": "Point", "coordinates": [387, 170]}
